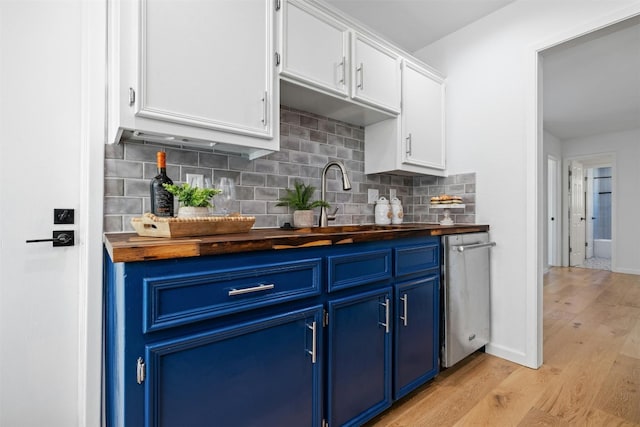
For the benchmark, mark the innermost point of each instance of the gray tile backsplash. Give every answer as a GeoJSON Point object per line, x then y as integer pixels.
{"type": "Point", "coordinates": [307, 142]}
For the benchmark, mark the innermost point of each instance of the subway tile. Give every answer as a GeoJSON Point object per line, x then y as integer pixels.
{"type": "Point", "coordinates": [255, 207]}
{"type": "Point", "coordinates": [140, 152]}
{"type": "Point", "coordinates": [299, 132]}
{"type": "Point", "coordinates": [299, 158]}
{"type": "Point", "coordinates": [112, 223]}
{"type": "Point", "coordinates": [122, 205]}
{"type": "Point", "coordinates": [309, 122]}
{"type": "Point", "coordinates": [335, 140]}
{"type": "Point", "coordinates": [277, 181]}
{"type": "Point", "coordinates": [252, 179]}
{"type": "Point", "coordinates": [214, 161]}
{"type": "Point", "coordinates": [266, 166]}
{"type": "Point", "coordinates": [259, 183]}
{"type": "Point", "coordinates": [136, 187]}
{"type": "Point", "coordinates": [122, 169]}
{"type": "Point", "coordinates": [114, 151]}
{"type": "Point", "coordinates": [268, 194]}
{"type": "Point", "coordinates": [343, 130]}
{"type": "Point", "coordinates": [114, 187]}
{"type": "Point", "coordinates": [318, 136]}
{"type": "Point", "coordinates": [289, 117]}
{"type": "Point", "coordinates": [241, 164]}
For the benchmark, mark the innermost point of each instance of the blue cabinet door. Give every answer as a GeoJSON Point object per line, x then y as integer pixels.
{"type": "Point", "coordinates": [359, 357]}
{"type": "Point", "coordinates": [416, 333]}
{"type": "Point", "coordinates": [261, 373]}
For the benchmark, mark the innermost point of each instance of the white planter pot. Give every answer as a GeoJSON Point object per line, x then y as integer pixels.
{"type": "Point", "coordinates": [192, 212]}
{"type": "Point", "coordinates": [303, 219]}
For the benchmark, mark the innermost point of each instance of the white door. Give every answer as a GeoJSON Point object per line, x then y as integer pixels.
{"type": "Point", "coordinates": [314, 48]}
{"type": "Point", "coordinates": [552, 211]}
{"type": "Point", "coordinates": [375, 74]}
{"type": "Point", "coordinates": [44, 345]}
{"type": "Point", "coordinates": [577, 214]}
{"type": "Point", "coordinates": [422, 117]}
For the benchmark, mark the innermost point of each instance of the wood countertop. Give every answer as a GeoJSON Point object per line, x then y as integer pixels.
{"type": "Point", "coordinates": [129, 247]}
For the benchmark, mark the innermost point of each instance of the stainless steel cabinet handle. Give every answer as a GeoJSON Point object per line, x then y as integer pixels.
{"type": "Point", "coordinates": [312, 352]}
{"type": "Point", "coordinates": [265, 110]}
{"type": "Point", "coordinates": [386, 315]}
{"type": "Point", "coordinates": [360, 69]}
{"type": "Point", "coordinates": [405, 306]}
{"type": "Point", "coordinates": [409, 146]}
{"type": "Point", "coordinates": [343, 65]}
{"type": "Point", "coordinates": [259, 288]}
{"type": "Point", "coordinates": [462, 248]}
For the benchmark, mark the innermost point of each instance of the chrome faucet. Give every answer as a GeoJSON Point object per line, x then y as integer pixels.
{"type": "Point", "coordinates": [346, 185]}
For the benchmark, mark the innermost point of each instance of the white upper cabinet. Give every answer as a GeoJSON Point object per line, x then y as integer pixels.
{"type": "Point", "coordinates": [414, 143]}
{"type": "Point", "coordinates": [329, 68]}
{"type": "Point", "coordinates": [422, 117]}
{"type": "Point", "coordinates": [194, 72]}
{"type": "Point", "coordinates": [375, 74]}
{"type": "Point", "coordinates": [315, 48]}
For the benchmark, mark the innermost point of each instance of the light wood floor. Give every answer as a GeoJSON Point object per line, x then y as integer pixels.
{"type": "Point", "coordinates": [590, 375]}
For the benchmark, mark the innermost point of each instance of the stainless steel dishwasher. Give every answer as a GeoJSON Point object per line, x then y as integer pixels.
{"type": "Point", "coordinates": [466, 295]}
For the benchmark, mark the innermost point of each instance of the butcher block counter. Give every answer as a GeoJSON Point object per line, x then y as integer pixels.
{"type": "Point", "coordinates": [129, 247]}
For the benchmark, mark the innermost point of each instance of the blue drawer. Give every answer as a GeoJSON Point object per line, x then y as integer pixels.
{"type": "Point", "coordinates": [346, 271]}
{"type": "Point", "coordinates": [171, 301]}
{"type": "Point", "coordinates": [417, 258]}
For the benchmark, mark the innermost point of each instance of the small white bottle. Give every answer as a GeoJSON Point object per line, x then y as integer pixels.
{"type": "Point", "coordinates": [382, 212]}
{"type": "Point", "coordinates": [396, 211]}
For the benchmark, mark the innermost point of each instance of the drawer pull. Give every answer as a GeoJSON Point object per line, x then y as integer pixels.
{"type": "Point", "coordinates": [259, 288]}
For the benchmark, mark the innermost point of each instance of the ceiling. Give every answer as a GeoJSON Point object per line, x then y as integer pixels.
{"type": "Point", "coordinates": [591, 84]}
{"type": "Point", "coordinates": [413, 24]}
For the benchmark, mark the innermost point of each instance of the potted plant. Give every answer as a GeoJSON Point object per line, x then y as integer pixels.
{"type": "Point", "coordinates": [299, 199]}
{"type": "Point", "coordinates": [194, 201]}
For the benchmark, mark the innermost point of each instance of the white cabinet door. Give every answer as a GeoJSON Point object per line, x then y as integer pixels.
{"type": "Point", "coordinates": [375, 74]}
{"type": "Point", "coordinates": [422, 117]}
{"type": "Point", "coordinates": [314, 48]}
{"type": "Point", "coordinates": [196, 70]}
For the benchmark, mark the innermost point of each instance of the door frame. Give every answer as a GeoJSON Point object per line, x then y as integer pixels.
{"type": "Point", "coordinates": [534, 159]}
{"type": "Point", "coordinates": [93, 138]}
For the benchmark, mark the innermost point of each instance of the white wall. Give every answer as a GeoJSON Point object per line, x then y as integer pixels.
{"type": "Point", "coordinates": [626, 148]}
{"type": "Point", "coordinates": [491, 128]}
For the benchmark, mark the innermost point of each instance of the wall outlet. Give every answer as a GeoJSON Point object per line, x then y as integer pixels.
{"type": "Point", "coordinates": [392, 193]}
{"type": "Point", "coordinates": [372, 196]}
{"type": "Point", "coordinates": [195, 180]}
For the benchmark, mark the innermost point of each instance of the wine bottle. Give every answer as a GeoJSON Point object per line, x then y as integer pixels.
{"type": "Point", "coordinates": [161, 199]}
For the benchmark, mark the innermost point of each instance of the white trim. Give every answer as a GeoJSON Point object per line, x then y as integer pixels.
{"type": "Point", "coordinates": [534, 190]}
{"type": "Point", "coordinates": [93, 101]}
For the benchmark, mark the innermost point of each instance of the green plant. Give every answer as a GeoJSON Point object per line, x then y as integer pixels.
{"type": "Point", "coordinates": [300, 198]}
{"type": "Point", "coordinates": [192, 196]}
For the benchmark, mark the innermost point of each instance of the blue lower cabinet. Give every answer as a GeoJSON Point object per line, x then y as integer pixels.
{"type": "Point", "coordinates": [416, 333]}
{"type": "Point", "coordinates": [359, 357]}
{"type": "Point", "coordinates": [263, 373]}
{"type": "Point", "coordinates": [302, 337]}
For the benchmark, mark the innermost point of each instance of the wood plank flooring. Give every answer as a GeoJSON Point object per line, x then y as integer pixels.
{"type": "Point", "coordinates": [590, 375]}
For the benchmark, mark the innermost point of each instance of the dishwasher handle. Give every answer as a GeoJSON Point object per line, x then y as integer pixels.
{"type": "Point", "coordinates": [462, 248]}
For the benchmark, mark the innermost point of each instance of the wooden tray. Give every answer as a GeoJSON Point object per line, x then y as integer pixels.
{"type": "Point", "coordinates": [154, 226]}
